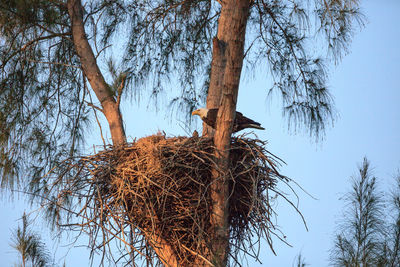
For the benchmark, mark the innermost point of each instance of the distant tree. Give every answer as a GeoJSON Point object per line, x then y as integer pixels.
{"type": "Point", "coordinates": [391, 251]}
{"type": "Point", "coordinates": [359, 242]}
{"type": "Point", "coordinates": [367, 235]}
{"type": "Point", "coordinates": [51, 50]}
{"type": "Point", "coordinates": [300, 261]}
{"type": "Point", "coordinates": [29, 246]}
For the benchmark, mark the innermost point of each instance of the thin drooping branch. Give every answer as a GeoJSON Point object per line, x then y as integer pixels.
{"type": "Point", "coordinates": [30, 43]}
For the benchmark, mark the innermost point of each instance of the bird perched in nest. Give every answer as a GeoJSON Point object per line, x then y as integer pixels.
{"type": "Point", "coordinates": [209, 116]}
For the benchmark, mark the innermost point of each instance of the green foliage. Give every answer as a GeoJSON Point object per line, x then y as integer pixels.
{"type": "Point", "coordinates": [391, 251]}
{"type": "Point", "coordinates": [358, 244]}
{"type": "Point", "coordinates": [119, 79]}
{"type": "Point", "coordinates": [169, 39]}
{"type": "Point", "coordinates": [41, 98]}
{"type": "Point", "coordinates": [29, 246]}
{"type": "Point", "coordinates": [367, 236]}
{"type": "Point", "coordinates": [173, 39]}
{"type": "Point", "coordinates": [286, 39]}
{"type": "Point", "coordinates": [44, 97]}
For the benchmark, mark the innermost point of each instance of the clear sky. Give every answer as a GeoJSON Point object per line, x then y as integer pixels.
{"type": "Point", "coordinates": [366, 87]}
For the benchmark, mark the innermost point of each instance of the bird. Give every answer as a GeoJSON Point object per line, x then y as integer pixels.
{"type": "Point", "coordinates": [209, 116]}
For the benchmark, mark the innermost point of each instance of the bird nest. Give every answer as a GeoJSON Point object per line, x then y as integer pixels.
{"type": "Point", "coordinates": [160, 185]}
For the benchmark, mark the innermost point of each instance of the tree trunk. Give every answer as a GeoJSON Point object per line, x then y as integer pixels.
{"type": "Point", "coordinates": [218, 64]}
{"type": "Point", "coordinates": [110, 109]}
{"type": "Point", "coordinates": [223, 94]}
{"type": "Point", "coordinates": [94, 75]}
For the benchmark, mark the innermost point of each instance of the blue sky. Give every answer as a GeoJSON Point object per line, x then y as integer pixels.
{"type": "Point", "coordinates": [366, 87]}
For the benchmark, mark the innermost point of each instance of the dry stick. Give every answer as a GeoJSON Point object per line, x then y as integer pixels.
{"type": "Point", "coordinates": [176, 190]}
{"type": "Point", "coordinates": [197, 254]}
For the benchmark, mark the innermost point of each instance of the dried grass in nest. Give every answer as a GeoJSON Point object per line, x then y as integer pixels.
{"type": "Point", "coordinates": [164, 183]}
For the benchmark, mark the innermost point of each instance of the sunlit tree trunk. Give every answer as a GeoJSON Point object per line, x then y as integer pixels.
{"type": "Point", "coordinates": [216, 78]}
{"type": "Point", "coordinates": [228, 51]}
{"type": "Point", "coordinates": [94, 75]}
{"type": "Point", "coordinates": [110, 109]}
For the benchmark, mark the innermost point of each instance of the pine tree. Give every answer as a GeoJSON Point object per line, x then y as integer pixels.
{"type": "Point", "coordinates": [51, 51]}
{"type": "Point", "coordinates": [391, 252]}
{"type": "Point", "coordinates": [369, 230]}
{"type": "Point", "coordinates": [29, 246]}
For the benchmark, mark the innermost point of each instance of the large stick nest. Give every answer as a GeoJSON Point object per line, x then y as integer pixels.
{"type": "Point", "coordinates": [162, 185]}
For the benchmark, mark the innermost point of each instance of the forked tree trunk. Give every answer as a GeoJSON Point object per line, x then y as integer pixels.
{"type": "Point", "coordinates": [111, 111]}
{"type": "Point", "coordinates": [228, 51]}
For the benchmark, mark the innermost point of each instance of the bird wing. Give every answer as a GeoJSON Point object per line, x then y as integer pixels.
{"type": "Point", "coordinates": [241, 119]}
{"type": "Point", "coordinates": [211, 117]}
{"type": "Point", "coordinates": [242, 122]}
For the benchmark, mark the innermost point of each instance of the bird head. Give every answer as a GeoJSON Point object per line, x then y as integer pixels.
{"type": "Point", "coordinates": [202, 112]}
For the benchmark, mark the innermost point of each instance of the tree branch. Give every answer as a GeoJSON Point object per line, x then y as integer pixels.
{"type": "Point", "coordinates": [94, 75]}
{"type": "Point", "coordinates": [25, 46]}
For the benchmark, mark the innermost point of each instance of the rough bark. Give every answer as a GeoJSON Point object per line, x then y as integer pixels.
{"type": "Point", "coordinates": [218, 64]}
{"type": "Point", "coordinates": [163, 250]}
{"type": "Point", "coordinates": [231, 37]}
{"type": "Point", "coordinates": [111, 110]}
{"type": "Point", "coordinates": [93, 74]}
